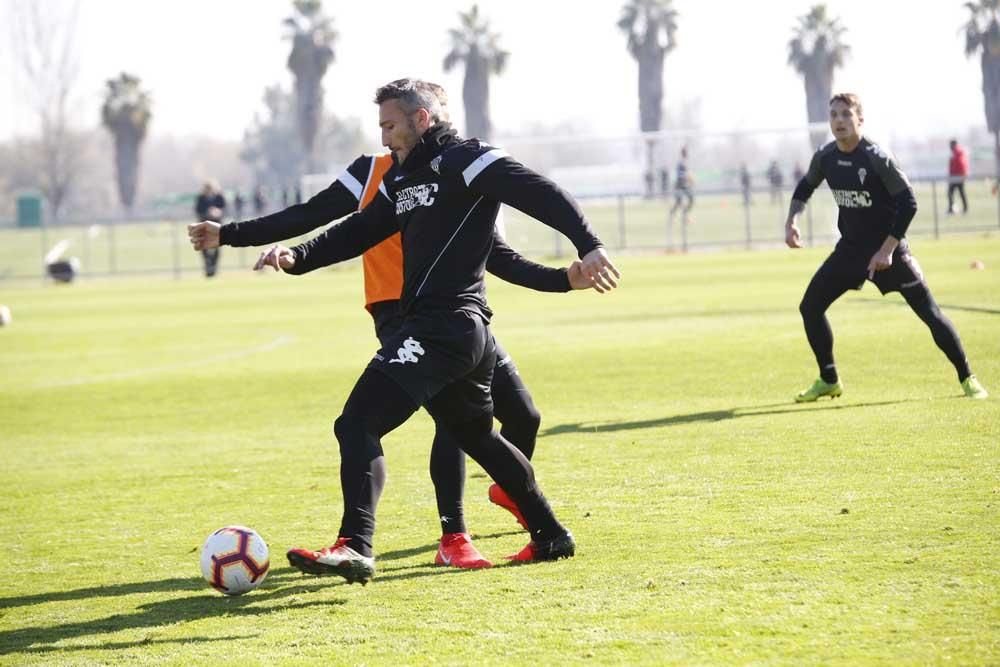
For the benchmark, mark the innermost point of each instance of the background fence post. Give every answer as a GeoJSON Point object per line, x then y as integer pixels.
{"type": "Point", "coordinates": [621, 222]}
{"type": "Point", "coordinates": [934, 205]}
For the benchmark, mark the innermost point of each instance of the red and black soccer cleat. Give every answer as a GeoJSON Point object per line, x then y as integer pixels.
{"type": "Point", "coordinates": [560, 547]}
{"type": "Point", "coordinates": [457, 550]}
{"type": "Point", "coordinates": [337, 558]}
{"type": "Point", "coordinates": [499, 497]}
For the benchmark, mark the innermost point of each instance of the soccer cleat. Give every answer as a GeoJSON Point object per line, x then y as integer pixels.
{"type": "Point", "coordinates": [456, 550]}
{"type": "Point", "coordinates": [820, 388]}
{"type": "Point", "coordinates": [499, 497]}
{"type": "Point", "coordinates": [554, 549]}
{"type": "Point", "coordinates": [973, 389]}
{"type": "Point", "coordinates": [335, 559]}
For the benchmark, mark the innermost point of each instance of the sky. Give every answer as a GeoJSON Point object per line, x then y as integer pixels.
{"type": "Point", "coordinates": [207, 62]}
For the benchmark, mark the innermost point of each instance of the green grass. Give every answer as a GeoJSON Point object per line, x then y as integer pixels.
{"type": "Point", "coordinates": [717, 521]}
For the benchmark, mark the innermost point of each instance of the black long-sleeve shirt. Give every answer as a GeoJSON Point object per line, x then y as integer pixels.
{"type": "Point", "coordinates": [343, 197]}
{"type": "Point", "coordinates": [874, 197]}
{"type": "Point", "coordinates": [444, 200]}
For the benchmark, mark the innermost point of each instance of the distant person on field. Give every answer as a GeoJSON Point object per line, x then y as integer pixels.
{"type": "Point", "coordinates": [664, 181]}
{"type": "Point", "coordinates": [746, 185]}
{"type": "Point", "coordinates": [210, 206]}
{"type": "Point", "coordinates": [776, 180]}
{"type": "Point", "coordinates": [683, 189]}
{"type": "Point", "coordinates": [797, 173]}
{"type": "Point", "coordinates": [259, 200]}
{"type": "Point", "coordinates": [876, 204]}
{"type": "Point", "coordinates": [958, 171]}
{"type": "Point", "coordinates": [238, 203]}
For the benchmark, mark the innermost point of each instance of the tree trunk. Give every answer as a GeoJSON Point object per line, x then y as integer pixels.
{"type": "Point", "coordinates": [818, 79]}
{"type": "Point", "coordinates": [651, 88]}
{"type": "Point", "coordinates": [127, 165]}
{"type": "Point", "coordinates": [476, 97]}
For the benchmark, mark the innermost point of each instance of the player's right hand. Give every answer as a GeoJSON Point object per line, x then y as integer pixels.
{"type": "Point", "coordinates": [277, 256]}
{"type": "Point", "coordinates": [597, 267]}
{"type": "Point", "coordinates": [204, 235]}
{"type": "Point", "coordinates": [793, 239]}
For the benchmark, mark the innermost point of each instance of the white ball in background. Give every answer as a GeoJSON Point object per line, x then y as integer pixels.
{"type": "Point", "coordinates": [5, 316]}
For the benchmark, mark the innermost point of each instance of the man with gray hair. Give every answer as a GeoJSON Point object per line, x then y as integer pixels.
{"type": "Point", "coordinates": [442, 194]}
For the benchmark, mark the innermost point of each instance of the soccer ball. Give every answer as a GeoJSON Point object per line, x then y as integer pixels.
{"type": "Point", "coordinates": [234, 560]}
{"type": "Point", "coordinates": [5, 316]}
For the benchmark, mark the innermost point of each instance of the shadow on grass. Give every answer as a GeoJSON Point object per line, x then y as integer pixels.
{"type": "Point", "coordinates": [155, 615]}
{"type": "Point", "coordinates": [709, 416]}
{"type": "Point", "coordinates": [158, 615]}
{"type": "Point", "coordinates": [400, 554]}
{"type": "Point", "coordinates": [943, 306]}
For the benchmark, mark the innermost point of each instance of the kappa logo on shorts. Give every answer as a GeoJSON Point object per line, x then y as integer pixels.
{"type": "Point", "coordinates": [411, 351]}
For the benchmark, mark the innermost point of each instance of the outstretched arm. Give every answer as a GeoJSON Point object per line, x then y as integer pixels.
{"type": "Point", "coordinates": [499, 177]}
{"type": "Point", "coordinates": [340, 199]}
{"type": "Point", "coordinates": [509, 265]}
{"type": "Point", "coordinates": [341, 242]}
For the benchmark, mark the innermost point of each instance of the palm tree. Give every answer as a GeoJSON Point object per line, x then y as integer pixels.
{"type": "Point", "coordinates": [982, 33]}
{"type": "Point", "coordinates": [312, 35]}
{"type": "Point", "coordinates": [651, 26]}
{"type": "Point", "coordinates": [479, 50]}
{"type": "Point", "coordinates": [126, 113]}
{"type": "Point", "coordinates": [815, 51]}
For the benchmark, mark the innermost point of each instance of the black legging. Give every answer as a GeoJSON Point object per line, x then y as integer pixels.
{"type": "Point", "coordinates": [376, 406]}
{"type": "Point", "coordinates": [819, 296]}
{"type": "Point", "coordinates": [519, 419]}
{"type": "Point", "coordinates": [960, 189]}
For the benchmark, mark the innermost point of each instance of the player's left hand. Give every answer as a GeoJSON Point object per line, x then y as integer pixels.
{"type": "Point", "coordinates": [598, 269]}
{"type": "Point", "coordinates": [880, 261]}
{"type": "Point", "coordinates": [278, 257]}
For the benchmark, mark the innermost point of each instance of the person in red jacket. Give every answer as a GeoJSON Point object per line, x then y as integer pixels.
{"type": "Point", "coordinates": [958, 171]}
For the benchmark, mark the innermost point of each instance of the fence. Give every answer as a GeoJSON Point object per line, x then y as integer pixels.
{"type": "Point", "coordinates": [719, 220]}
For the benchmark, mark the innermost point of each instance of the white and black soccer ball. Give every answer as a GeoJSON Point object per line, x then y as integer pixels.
{"type": "Point", "coordinates": [234, 560]}
{"type": "Point", "coordinates": [5, 316]}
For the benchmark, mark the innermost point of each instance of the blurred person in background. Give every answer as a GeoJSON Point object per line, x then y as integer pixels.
{"type": "Point", "coordinates": [958, 171]}
{"type": "Point", "coordinates": [210, 206]}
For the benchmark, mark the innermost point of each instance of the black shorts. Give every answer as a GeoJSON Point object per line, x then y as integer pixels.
{"type": "Point", "coordinates": [849, 269]}
{"type": "Point", "coordinates": [444, 360]}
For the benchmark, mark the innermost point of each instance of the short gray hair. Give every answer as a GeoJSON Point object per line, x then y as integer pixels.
{"type": "Point", "coordinates": [416, 94]}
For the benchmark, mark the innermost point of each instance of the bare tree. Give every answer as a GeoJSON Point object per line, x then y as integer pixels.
{"type": "Point", "coordinates": [126, 113]}
{"type": "Point", "coordinates": [982, 35]}
{"type": "Point", "coordinates": [478, 49]}
{"type": "Point", "coordinates": [815, 51]}
{"type": "Point", "coordinates": [44, 44]}
{"type": "Point", "coordinates": [312, 35]}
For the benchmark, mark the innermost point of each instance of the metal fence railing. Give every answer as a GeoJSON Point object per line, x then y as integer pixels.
{"type": "Point", "coordinates": [719, 219]}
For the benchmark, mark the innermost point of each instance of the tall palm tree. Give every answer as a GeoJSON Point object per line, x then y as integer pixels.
{"type": "Point", "coordinates": [479, 50]}
{"type": "Point", "coordinates": [982, 34]}
{"type": "Point", "coordinates": [815, 51]}
{"type": "Point", "coordinates": [126, 113]}
{"type": "Point", "coordinates": [312, 35]}
{"type": "Point", "coordinates": [651, 26]}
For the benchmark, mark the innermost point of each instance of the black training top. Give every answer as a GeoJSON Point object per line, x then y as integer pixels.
{"type": "Point", "coordinates": [444, 200]}
{"type": "Point", "coordinates": [873, 194]}
{"type": "Point", "coordinates": [343, 197]}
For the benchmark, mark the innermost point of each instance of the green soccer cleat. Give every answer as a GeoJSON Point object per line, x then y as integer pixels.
{"type": "Point", "coordinates": [819, 388]}
{"type": "Point", "coordinates": [973, 389]}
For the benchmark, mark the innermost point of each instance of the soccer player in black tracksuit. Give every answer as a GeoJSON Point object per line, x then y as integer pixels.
{"type": "Point", "coordinates": [876, 206]}
{"type": "Point", "coordinates": [383, 272]}
{"type": "Point", "coordinates": [443, 196]}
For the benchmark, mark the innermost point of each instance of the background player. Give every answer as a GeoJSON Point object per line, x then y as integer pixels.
{"type": "Point", "coordinates": [876, 205]}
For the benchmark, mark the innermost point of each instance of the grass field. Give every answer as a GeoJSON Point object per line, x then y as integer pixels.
{"type": "Point", "coordinates": [717, 521]}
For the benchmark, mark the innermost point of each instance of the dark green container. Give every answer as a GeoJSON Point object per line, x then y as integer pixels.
{"type": "Point", "coordinates": [29, 211]}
